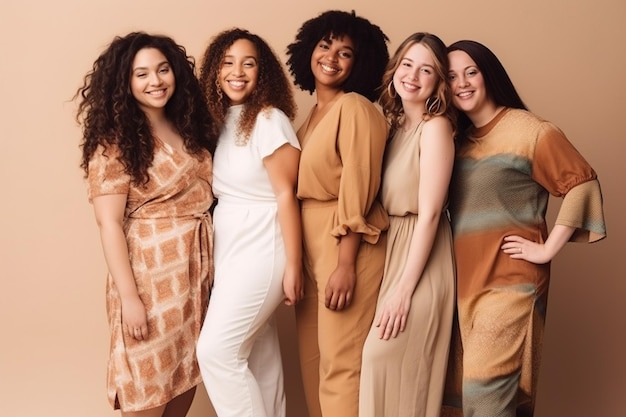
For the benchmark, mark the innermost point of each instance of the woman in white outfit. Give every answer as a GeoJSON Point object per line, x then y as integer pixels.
{"type": "Point", "coordinates": [257, 250]}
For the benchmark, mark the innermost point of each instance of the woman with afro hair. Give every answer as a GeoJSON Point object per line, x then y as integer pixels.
{"type": "Point", "coordinates": [341, 58]}
{"type": "Point", "coordinates": [258, 237]}
{"type": "Point", "coordinates": [147, 144]}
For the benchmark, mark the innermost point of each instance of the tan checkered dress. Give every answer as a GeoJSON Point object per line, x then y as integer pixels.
{"type": "Point", "coordinates": [169, 235]}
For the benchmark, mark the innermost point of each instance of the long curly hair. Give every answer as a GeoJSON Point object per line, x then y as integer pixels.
{"type": "Point", "coordinates": [110, 115]}
{"type": "Point", "coordinates": [272, 90]}
{"type": "Point", "coordinates": [370, 44]}
{"type": "Point", "coordinates": [441, 101]}
{"type": "Point", "coordinates": [498, 84]}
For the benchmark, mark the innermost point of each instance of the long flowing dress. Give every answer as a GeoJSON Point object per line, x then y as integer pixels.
{"type": "Point", "coordinates": [502, 179]}
{"type": "Point", "coordinates": [404, 376]}
{"type": "Point", "coordinates": [238, 349]}
{"type": "Point", "coordinates": [339, 179]}
{"type": "Point", "coordinates": [169, 235]}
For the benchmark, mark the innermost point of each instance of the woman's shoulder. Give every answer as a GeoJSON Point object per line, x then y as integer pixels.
{"type": "Point", "coordinates": [358, 105]}
{"type": "Point", "coordinates": [356, 99]}
{"type": "Point", "coordinates": [437, 121]}
{"type": "Point", "coordinates": [522, 116]}
{"type": "Point", "coordinates": [272, 113]}
{"type": "Point", "coordinates": [437, 127]}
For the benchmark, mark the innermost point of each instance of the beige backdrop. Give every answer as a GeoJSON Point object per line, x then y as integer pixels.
{"type": "Point", "coordinates": [566, 58]}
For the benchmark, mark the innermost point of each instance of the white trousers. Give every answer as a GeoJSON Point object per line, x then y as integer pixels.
{"type": "Point", "coordinates": [238, 349]}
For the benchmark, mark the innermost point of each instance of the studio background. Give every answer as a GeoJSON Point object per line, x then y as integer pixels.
{"type": "Point", "coordinates": [567, 60]}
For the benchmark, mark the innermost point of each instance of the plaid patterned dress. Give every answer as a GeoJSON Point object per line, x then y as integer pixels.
{"type": "Point", "coordinates": [169, 235]}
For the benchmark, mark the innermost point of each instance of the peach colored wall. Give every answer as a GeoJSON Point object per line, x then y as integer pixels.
{"type": "Point", "coordinates": [567, 59]}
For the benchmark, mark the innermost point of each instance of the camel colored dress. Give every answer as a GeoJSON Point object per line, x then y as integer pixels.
{"type": "Point", "coordinates": [169, 235]}
{"type": "Point", "coordinates": [404, 376]}
{"type": "Point", "coordinates": [339, 178]}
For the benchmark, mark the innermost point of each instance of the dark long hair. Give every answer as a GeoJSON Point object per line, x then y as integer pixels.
{"type": "Point", "coordinates": [499, 86]}
{"type": "Point", "coordinates": [370, 52]}
{"type": "Point", "coordinates": [272, 89]}
{"type": "Point", "coordinates": [110, 115]}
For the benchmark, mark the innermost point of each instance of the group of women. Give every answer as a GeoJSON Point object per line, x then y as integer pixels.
{"type": "Point", "coordinates": [382, 228]}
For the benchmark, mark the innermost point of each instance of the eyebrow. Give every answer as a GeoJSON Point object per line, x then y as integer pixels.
{"type": "Point", "coordinates": [330, 40]}
{"type": "Point", "coordinates": [422, 64]}
{"type": "Point", "coordinates": [245, 57]}
{"type": "Point", "coordinates": [145, 68]}
{"type": "Point", "coordinates": [464, 69]}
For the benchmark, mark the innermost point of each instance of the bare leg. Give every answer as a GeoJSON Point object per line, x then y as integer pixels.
{"type": "Point", "coordinates": [152, 412]}
{"type": "Point", "coordinates": [179, 406]}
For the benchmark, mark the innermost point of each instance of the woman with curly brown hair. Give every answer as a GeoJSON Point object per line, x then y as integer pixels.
{"type": "Point", "coordinates": [147, 146]}
{"type": "Point", "coordinates": [410, 337]}
{"type": "Point", "coordinates": [340, 57]}
{"type": "Point", "coordinates": [258, 244]}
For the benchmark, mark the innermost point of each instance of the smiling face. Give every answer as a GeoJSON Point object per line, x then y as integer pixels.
{"type": "Point", "coordinates": [239, 72]}
{"type": "Point", "coordinates": [469, 92]}
{"type": "Point", "coordinates": [152, 81]}
{"type": "Point", "coordinates": [416, 78]}
{"type": "Point", "coordinates": [332, 61]}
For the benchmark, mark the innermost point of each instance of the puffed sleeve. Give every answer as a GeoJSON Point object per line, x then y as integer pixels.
{"type": "Point", "coordinates": [106, 173]}
{"type": "Point", "coordinates": [563, 171]}
{"type": "Point", "coordinates": [272, 130]}
{"type": "Point", "coordinates": [361, 143]}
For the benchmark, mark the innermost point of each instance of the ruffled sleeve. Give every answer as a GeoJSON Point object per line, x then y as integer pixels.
{"type": "Point", "coordinates": [361, 143]}
{"type": "Point", "coordinates": [272, 130]}
{"type": "Point", "coordinates": [563, 171]}
{"type": "Point", "coordinates": [106, 173]}
{"type": "Point", "coordinates": [582, 209]}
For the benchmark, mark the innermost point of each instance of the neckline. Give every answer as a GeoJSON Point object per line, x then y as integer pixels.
{"type": "Point", "coordinates": [478, 132]}
{"type": "Point", "coordinates": [310, 128]}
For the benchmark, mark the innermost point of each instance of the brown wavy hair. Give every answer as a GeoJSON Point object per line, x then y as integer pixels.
{"type": "Point", "coordinates": [111, 116]}
{"type": "Point", "coordinates": [272, 90]}
{"type": "Point", "coordinates": [440, 104]}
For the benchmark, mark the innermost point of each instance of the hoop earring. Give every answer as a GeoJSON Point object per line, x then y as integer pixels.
{"type": "Point", "coordinates": [391, 94]}
{"type": "Point", "coordinates": [433, 105]}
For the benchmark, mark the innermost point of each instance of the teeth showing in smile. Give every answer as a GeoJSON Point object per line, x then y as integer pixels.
{"type": "Point", "coordinates": [326, 68]}
{"type": "Point", "coordinates": [464, 94]}
{"type": "Point", "coordinates": [157, 93]}
{"type": "Point", "coordinates": [236, 84]}
{"type": "Point", "coordinates": [409, 87]}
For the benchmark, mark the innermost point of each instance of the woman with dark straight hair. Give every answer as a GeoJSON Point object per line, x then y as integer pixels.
{"type": "Point", "coordinates": [508, 162]}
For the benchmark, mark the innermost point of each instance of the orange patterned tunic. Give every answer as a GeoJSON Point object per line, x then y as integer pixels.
{"type": "Point", "coordinates": [169, 235]}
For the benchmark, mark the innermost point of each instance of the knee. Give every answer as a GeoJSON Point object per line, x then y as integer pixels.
{"type": "Point", "coordinates": [375, 352]}
{"type": "Point", "coordinates": [210, 352]}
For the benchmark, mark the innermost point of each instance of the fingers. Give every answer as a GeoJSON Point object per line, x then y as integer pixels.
{"type": "Point", "coordinates": [337, 300]}
{"type": "Point", "coordinates": [390, 327]}
{"type": "Point", "coordinates": [138, 333]}
{"type": "Point", "coordinates": [514, 248]}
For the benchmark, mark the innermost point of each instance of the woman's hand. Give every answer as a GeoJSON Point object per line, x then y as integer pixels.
{"type": "Point", "coordinates": [519, 248]}
{"type": "Point", "coordinates": [340, 288]}
{"type": "Point", "coordinates": [393, 315]}
{"type": "Point", "coordinates": [293, 286]}
{"type": "Point", "coordinates": [134, 319]}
